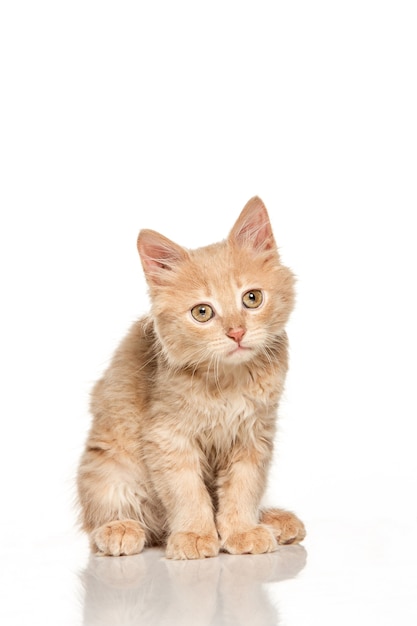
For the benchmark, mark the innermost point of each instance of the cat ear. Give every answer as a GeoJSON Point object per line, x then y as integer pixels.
{"type": "Point", "coordinates": [158, 255]}
{"type": "Point", "coordinates": [253, 228]}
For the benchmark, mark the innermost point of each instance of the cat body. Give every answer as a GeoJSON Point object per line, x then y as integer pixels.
{"type": "Point", "coordinates": [184, 417]}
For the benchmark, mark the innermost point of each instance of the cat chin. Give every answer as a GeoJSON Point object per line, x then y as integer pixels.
{"type": "Point", "coordinates": [239, 354]}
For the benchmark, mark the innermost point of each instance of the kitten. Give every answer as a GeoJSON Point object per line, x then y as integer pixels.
{"type": "Point", "coordinates": [184, 417]}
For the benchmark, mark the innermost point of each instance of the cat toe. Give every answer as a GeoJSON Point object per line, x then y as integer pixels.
{"type": "Point", "coordinates": [257, 540]}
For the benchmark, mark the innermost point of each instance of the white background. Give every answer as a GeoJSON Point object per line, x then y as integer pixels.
{"type": "Point", "coordinates": [117, 116]}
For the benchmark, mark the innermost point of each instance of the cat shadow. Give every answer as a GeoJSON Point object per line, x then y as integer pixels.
{"type": "Point", "coordinates": [148, 589]}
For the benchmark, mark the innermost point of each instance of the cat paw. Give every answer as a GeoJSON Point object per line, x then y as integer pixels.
{"type": "Point", "coordinates": [188, 545]}
{"type": "Point", "coordinates": [257, 540]}
{"type": "Point", "coordinates": [118, 538]}
{"type": "Point", "coordinates": [286, 526]}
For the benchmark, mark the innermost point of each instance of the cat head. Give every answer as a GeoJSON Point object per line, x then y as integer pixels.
{"type": "Point", "coordinates": [224, 303]}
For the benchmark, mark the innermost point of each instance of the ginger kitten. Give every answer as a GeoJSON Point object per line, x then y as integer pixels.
{"type": "Point", "coordinates": [184, 417]}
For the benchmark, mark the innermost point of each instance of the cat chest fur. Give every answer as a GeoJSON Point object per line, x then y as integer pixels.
{"type": "Point", "coordinates": [241, 408]}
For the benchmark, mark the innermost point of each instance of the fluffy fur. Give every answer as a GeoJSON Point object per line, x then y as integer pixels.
{"type": "Point", "coordinates": [184, 417]}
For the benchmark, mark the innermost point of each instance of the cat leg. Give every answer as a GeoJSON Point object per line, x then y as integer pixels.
{"type": "Point", "coordinates": [177, 479]}
{"type": "Point", "coordinates": [286, 526]}
{"type": "Point", "coordinates": [110, 501]}
{"type": "Point", "coordinates": [240, 489]}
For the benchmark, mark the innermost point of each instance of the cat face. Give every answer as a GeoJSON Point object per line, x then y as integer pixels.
{"type": "Point", "coordinates": [225, 303]}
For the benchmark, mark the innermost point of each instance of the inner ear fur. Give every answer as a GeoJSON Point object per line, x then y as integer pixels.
{"type": "Point", "coordinates": [253, 227]}
{"type": "Point", "coordinates": [158, 254]}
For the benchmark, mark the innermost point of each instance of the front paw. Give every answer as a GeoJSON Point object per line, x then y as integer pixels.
{"type": "Point", "coordinates": [189, 545]}
{"type": "Point", "coordinates": [257, 540]}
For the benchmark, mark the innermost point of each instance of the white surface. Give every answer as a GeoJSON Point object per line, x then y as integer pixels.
{"type": "Point", "coordinates": [116, 116]}
{"type": "Point", "coordinates": [345, 574]}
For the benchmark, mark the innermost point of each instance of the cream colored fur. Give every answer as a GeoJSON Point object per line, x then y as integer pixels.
{"type": "Point", "coordinates": [184, 417]}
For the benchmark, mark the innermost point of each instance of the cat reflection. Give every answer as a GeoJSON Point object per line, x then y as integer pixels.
{"type": "Point", "coordinates": [148, 589]}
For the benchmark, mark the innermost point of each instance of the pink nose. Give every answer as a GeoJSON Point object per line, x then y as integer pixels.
{"type": "Point", "coordinates": [236, 334]}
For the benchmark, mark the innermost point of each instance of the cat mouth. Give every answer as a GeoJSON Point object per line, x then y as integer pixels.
{"type": "Point", "coordinates": [238, 350]}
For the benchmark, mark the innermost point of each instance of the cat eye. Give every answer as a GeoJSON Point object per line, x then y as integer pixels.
{"type": "Point", "coordinates": [252, 299]}
{"type": "Point", "coordinates": [202, 312]}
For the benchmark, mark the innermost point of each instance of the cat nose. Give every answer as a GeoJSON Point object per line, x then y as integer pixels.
{"type": "Point", "coordinates": [236, 334]}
